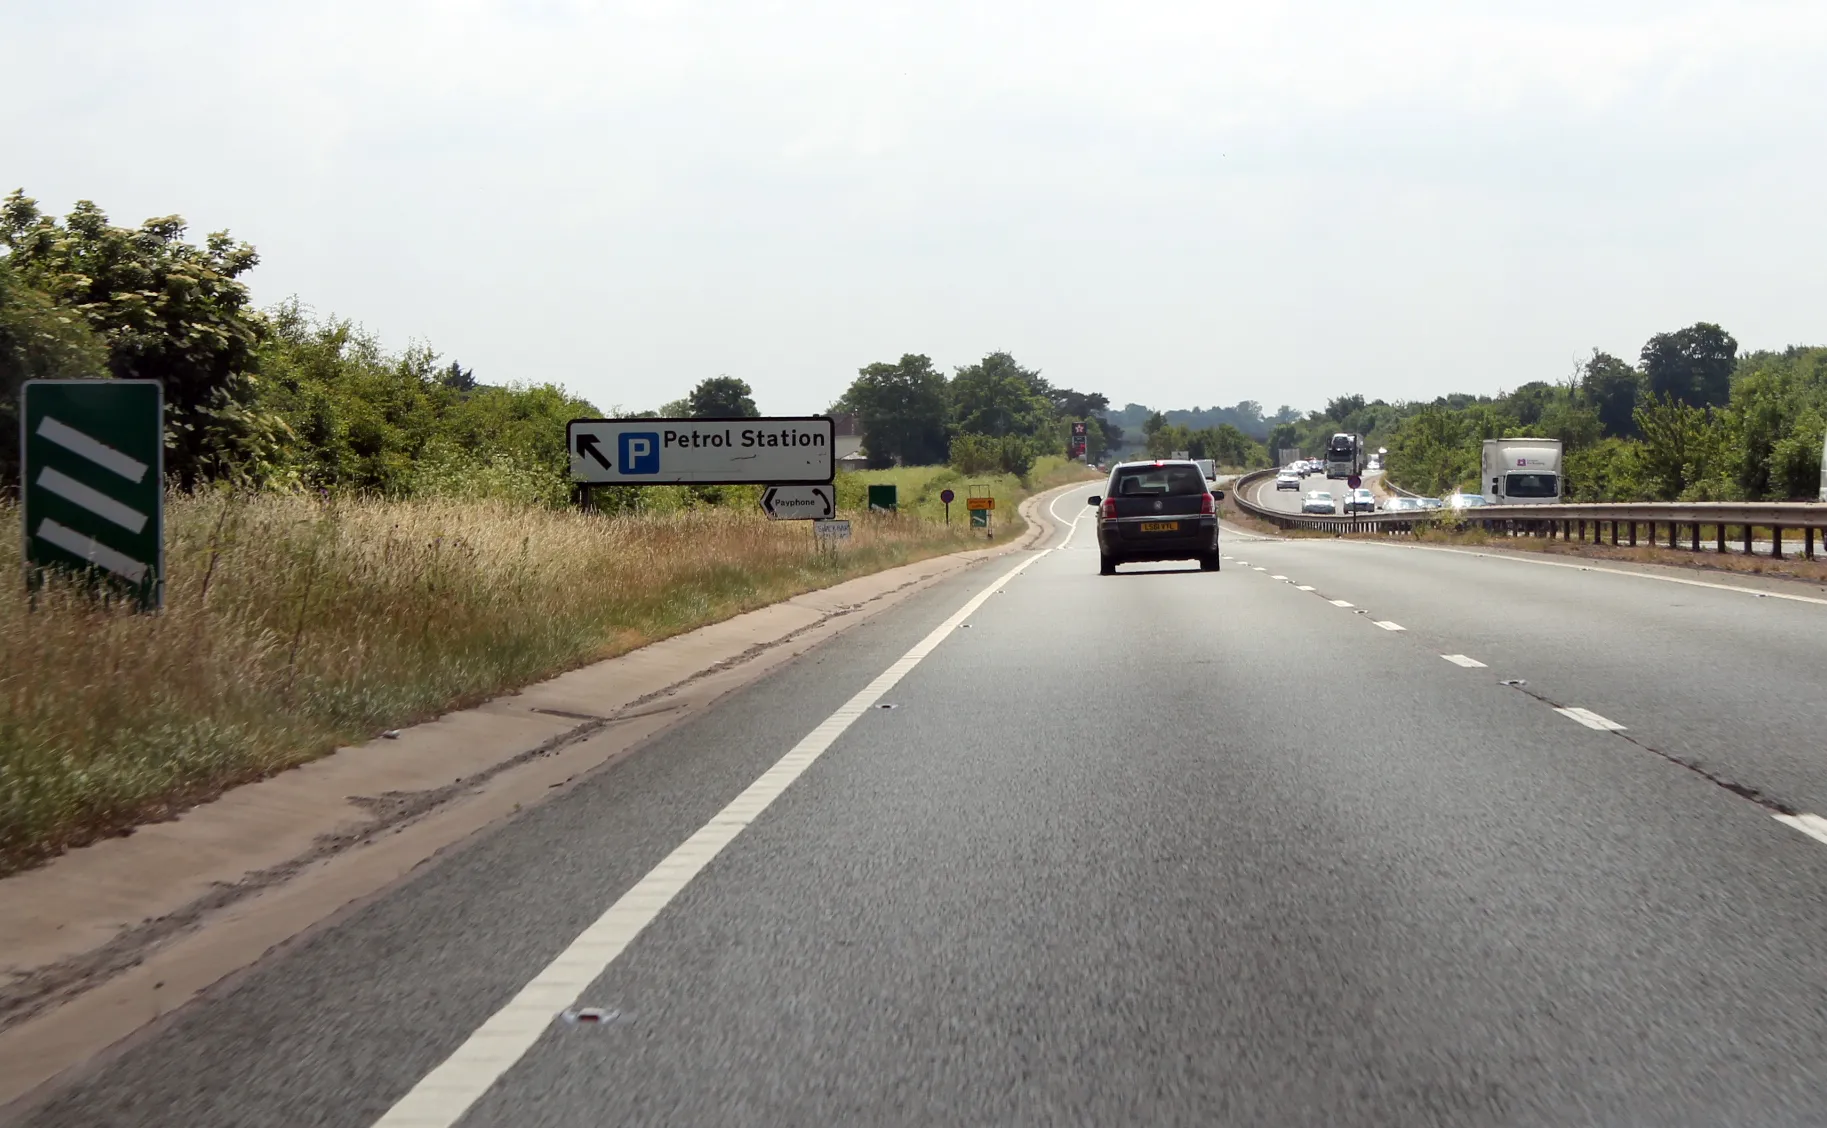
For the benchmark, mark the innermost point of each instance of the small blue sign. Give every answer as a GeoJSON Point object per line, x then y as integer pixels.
{"type": "Point", "coordinates": [640, 451]}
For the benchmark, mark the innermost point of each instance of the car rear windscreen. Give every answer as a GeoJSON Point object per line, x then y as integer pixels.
{"type": "Point", "coordinates": [1158, 481]}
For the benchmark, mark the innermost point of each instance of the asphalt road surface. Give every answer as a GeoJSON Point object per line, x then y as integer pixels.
{"type": "Point", "coordinates": [1276, 845]}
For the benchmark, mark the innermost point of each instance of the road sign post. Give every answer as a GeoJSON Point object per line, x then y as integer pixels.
{"type": "Point", "coordinates": [981, 506]}
{"type": "Point", "coordinates": [92, 482]}
{"type": "Point", "coordinates": [799, 503]}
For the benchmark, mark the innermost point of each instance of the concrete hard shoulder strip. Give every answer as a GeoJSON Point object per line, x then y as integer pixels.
{"type": "Point", "coordinates": [130, 907]}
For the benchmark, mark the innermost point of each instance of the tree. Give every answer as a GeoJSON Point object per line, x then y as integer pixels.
{"type": "Point", "coordinates": [998, 397]}
{"type": "Point", "coordinates": [1610, 385]}
{"type": "Point", "coordinates": [905, 408]}
{"type": "Point", "coordinates": [722, 397]}
{"type": "Point", "coordinates": [1531, 400]}
{"type": "Point", "coordinates": [1693, 365]}
{"type": "Point", "coordinates": [458, 378]}
{"type": "Point", "coordinates": [39, 340]}
{"type": "Point", "coordinates": [1674, 444]}
{"type": "Point", "coordinates": [166, 310]}
{"type": "Point", "coordinates": [1344, 407]}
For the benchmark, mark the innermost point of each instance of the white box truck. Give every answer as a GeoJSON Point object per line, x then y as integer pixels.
{"type": "Point", "coordinates": [1522, 471]}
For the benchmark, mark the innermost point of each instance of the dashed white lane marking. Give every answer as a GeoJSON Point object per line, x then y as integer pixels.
{"type": "Point", "coordinates": [1814, 826]}
{"type": "Point", "coordinates": [1389, 626]}
{"type": "Point", "coordinates": [1343, 603]}
{"type": "Point", "coordinates": [445, 1094]}
{"type": "Point", "coordinates": [1304, 587]}
{"type": "Point", "coordinates": [1260, 569]}
{"type": "Point", "coordinates": [1462, 660]}
{"type": "Point", "coordinates": [1590, 719]}
{"type": "Point", "coordinates": [1278, 577]}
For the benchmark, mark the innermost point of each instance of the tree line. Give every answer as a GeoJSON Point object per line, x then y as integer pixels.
{"type": "Point", "coordinates": [282, 398]}
{"type": "Point", "coordinates": [1693, 419]}
{"type": "Point", "coordinates": [269, 399]}
{"type": "Point", "coordinates": [991, 416]}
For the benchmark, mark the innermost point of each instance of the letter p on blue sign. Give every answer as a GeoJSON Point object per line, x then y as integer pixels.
{"type": "Point", "coordinates": [640, 451]}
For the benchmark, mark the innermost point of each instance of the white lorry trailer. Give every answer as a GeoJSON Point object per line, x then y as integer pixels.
{"type": "Point", "coordinates": [1522, 472]}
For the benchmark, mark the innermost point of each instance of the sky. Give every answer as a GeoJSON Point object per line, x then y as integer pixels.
{"type": "Point", "coordinates": [1177, 204]}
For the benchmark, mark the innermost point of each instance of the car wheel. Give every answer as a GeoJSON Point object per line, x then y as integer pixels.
{"type": "Point", "coordinates": [1106, 566]}
{"type": "Point", "coordinates": [1209, 562]}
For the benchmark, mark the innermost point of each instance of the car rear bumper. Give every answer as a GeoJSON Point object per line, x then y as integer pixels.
{"type": "Point", "coordinates": [1127, 542]}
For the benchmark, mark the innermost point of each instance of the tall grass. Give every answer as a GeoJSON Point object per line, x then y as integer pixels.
{"type": "Point", "coordinates": [295, 624]}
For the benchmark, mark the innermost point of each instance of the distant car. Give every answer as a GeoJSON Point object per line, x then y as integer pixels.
{"type": "Point", "coordinates": [1360, 501]}
{"type": "Point", "coordinates": [1208, 467]}
{"type": "Point", "coordinates": [1467, 501]}
{"type": "Point", "coordinates": [1287, 480]}
{"type": "Point", "coordinates": [1401, 504]}
{"type": "Point", "coordinates": [1430, 503]}
{"type": "Point", "coordinates": [1157, 510]}
{"type": "Point", "coordinates": [1318, 501]}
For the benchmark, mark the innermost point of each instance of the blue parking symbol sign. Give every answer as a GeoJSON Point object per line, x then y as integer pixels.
{"type": "Point", "coordinates": [640, 451]}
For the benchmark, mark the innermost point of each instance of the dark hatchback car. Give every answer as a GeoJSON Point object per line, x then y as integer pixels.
{"type": "Point", "coordinates": [1157, 511]}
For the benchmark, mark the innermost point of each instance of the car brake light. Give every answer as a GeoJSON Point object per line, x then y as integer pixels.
{"type": "Point", "coordinates": [1110, 507]}
{"type": "Point", "coordinates": [1206, 505]}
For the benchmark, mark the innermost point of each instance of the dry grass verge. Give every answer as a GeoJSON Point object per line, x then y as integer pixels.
{"type": "Point", "coordinates": [295, 625]}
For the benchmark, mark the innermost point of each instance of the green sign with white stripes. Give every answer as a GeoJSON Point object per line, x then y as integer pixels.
{"type": "Point", "coordinates": [92, 476]}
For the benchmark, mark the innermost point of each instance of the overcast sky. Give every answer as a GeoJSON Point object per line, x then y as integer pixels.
{"type": "Point", "coordinates": [1178, 204]}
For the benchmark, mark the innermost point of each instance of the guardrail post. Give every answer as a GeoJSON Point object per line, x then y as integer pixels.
{"type": "Point", "coordinates": [1720, 532]}
{"type": "Point", "coordinates": [1674, 532]}
{"type": "Point", "coordinates": [1808, 542]}
{"type": "Point", "coordinates": [1776, 542]}
{"type": "Point", "coordinates": [1614, 532]}
{"type": "Point", "coordinates": [1748, 549]}
{"type": "Point", "coordinates": [1696, 536]}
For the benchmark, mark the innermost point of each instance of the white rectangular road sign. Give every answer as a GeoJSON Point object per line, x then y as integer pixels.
{"type": "Point", "coordinates": [795, 450]}
{"type": "Point", "coordinates": [799, 503]}
{"type": "Point", "coordinates": [831, 530]}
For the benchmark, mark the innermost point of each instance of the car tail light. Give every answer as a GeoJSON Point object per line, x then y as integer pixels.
{"type": "Point", "coordinates": [1110, 507]}
{"type": "Point", "coordinates": [1206, 506]}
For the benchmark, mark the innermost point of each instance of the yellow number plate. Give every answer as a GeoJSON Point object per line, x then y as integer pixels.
{"type": "Point", "coordinates": [1160, 526]}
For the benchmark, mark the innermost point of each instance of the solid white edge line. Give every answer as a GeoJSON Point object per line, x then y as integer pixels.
{"type": "Point", "coordinates": [1462, 660]}
{"type": "Point", "coordinates": [1814, 826]}
{"type": "Point", "coordinates": [1071, 526]}
{"type": "Point", "coordinates": [92, 449]}
{"type": "Point", "coordinates": [444, 1096]}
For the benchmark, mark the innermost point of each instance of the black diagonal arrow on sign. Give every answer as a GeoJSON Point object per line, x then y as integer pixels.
{"type": "Point", "coordinates": [586, 447]}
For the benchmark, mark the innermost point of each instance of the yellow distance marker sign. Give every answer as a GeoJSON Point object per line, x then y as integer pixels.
{"type": "Point", "coordinates": [980, 503]}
